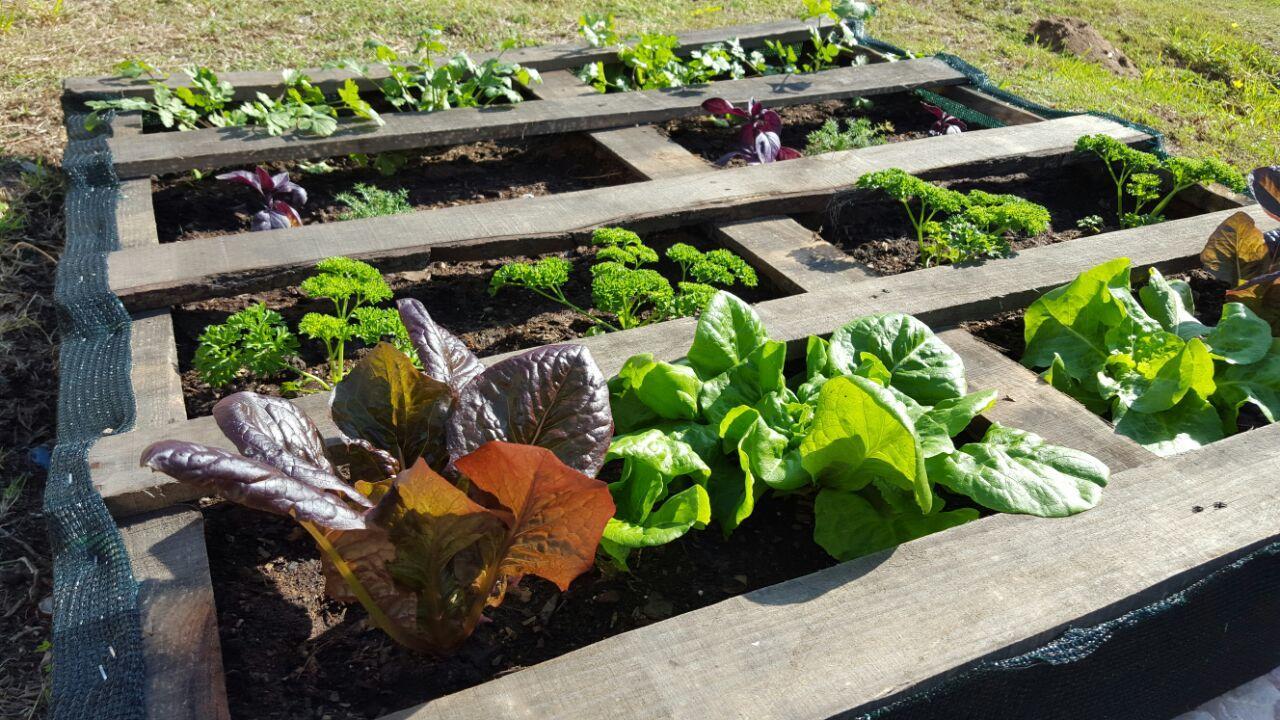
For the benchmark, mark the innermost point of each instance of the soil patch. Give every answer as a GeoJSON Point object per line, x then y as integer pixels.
{"type": "Point", "coordinates": [187, 208]}
{"type": "Point", "coordinates": [290, 652]}
{"type": "Point", "coordinates": [874, 230]}
{"type": "Point", "coordinates": [709, 140]}
{"type": "Point", "coordinates": [456, 293]}
{"type": "Point", "coordinates": [1079, 38]}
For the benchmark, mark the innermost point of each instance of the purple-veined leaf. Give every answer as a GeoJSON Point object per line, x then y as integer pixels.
{"type": "Point", "coordinates": [1264, 183]}
{"type": "Point", "coordinates": [242, 177]}
{"type": "Point", "coordinates": [944, 123]}
{"type": "Point", "coordinates": [443, 356]}
{"type": "Point", "coordinates": [273, 431]}
{"type": "Point", "coordinates": [553, 396]}
{"type": "Point", "coordinates": [250, 482]}
{"type": "Point", "coordinates": [362, 460]}
{"type": "Point", "coordinates": [720, 106]}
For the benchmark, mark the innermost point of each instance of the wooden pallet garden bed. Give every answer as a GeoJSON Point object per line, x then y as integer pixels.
{"type": "Point", "coordinates": [763, 653]}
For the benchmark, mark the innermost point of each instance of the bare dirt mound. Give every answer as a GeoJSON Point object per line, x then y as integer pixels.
{"type": "Point", "coordinates": [1080, 39]}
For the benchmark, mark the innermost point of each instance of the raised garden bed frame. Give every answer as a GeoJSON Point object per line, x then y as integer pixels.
{"type": "Point", "coordinates": [766, 654]}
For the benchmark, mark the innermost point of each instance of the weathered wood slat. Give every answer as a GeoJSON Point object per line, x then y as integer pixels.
{"type": "Point", "coordinates": [540, 57]}
{"type": "Point", "coordinates": [220, 147]}
{"type": "Point", "coordinates": [184, 679]}
{"type": "Point", "coordinates": [153, 373]}
{"type": "Point", "coordinates": [940, 296]}
{"type": "Point", "coordinates": [1028, 403]}
{"type": "Point", "coordinates": [1006, 584]}
{"type": "Point", "coordinates": [184, 271]}
{"type": "Point", "coordinates": [990, 106]}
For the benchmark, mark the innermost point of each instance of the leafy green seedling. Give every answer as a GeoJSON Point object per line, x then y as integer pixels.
{"type": "Point", "coordinates": [351, 286]}
{"type": "Point", "coordinates": [1134, 174]}
{"type": "Point", "coordinates": [255, 340]}
{"type": "Point", "coordinates": [857, 134]}
{"type": "Point", "coordinates": [922, 200]}
{"type": "Point", "coordinates": [366, 201]}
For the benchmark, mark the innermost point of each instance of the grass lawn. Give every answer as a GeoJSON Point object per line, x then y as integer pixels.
{"type": "Point", "coordinates": [1210, 79]}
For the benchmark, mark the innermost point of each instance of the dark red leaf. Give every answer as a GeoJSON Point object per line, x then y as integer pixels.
{"type": "Point", "coordinates": [443, 356]}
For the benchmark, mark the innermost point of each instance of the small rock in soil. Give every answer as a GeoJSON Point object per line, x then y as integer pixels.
{"type": "Point", "coordinates": [658, 608]}
{"type": "Point", "coordinates": [1080, 39]}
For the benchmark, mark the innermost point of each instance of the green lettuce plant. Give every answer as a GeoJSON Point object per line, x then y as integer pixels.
{"type": "Point", "coordinates": [623, 289]}
{"type": "Point", "coordinates": [954, 227]}
{"type": "Point", "coordinates": [866, 429]}
{"type": "Point", "coordinates": [1140, 195]}
{"type": "Point", "coordinates": [1144, 361]}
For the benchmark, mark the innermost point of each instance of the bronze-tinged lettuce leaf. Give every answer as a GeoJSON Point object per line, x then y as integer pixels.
{"type": "Point", "coordinates": [273, 431]}
{"type": "Point", "coordinates": [251, 483]}
{"type": "Point", "coordinates": [1236, 250]}
{"type": "Point", "coordinates": [1262, 296]}
{"type": "Point", "coordinates": [555, 514]}
{"type": "Point", "coordinates": [554, 397]}
{"type": "Point", "coordinates": [1265, 185]}
{"type": "Point", "coordinates": [360, 461]}
{"type": "Point", "coordinates": [385, 400]}
{"type": "Point", "coordinates": [444, 357]}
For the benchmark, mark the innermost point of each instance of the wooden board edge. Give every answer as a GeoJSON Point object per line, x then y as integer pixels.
{"type": "Point", "coordinates": [181, 650]}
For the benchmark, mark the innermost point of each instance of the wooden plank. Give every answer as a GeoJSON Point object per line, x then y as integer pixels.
{"type": "Point", "coordinates": [184, 679]}
{"type": "Point", "coordinates": [1008, 584]}
{"type": "Point", "coordinates": [794, 257]}
{"type": "Point", "coordinates": [540, 57]}
{"type": "Point", "coordinates": [184, 271]}
{"type": "Point", "coordinates": [162, 153]}
{"type": "Point", "coordinates": [153, 372]}
{"type": "Point", "coordinates": [1028, 403]}
{"type": "Point", "coordinates": [987, 105]}
{"type": "Point", "coordinates": [939, 296]}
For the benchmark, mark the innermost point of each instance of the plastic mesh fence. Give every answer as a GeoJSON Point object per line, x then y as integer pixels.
{"type": "Point", "coordinates": [97, 668]}
{"type": "Point", "coordinates": [1152, 662]}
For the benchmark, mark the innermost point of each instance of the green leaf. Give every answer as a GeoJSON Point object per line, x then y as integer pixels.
{"type": "Point", "coordinates": [1015, 471]}
{"type": "Point", "coordinates": [1257, 383]}
{"type": "Point", "coordinates": [746, 383]}
{"type": "Point", "coordinates": [1165, 302]}
{"type": "Point", "coordinates": [860, 432]}
{"type": "Point", "coordinates": [385, 400]}
{"type": "Point", "coordinates": [1190, 424]}
{"type": "Point", "coordinates": [686, 510]}
{"type": "Point", "coordinates": [921, 365]}
{"type": "Point", "coordinates": [948, 418]}
{"type": "Point", "coordinates": [1241, 337]}
{"type": "Point", "coordinates": [1085, 393]}
{"type": "Point", "coordinates": [817, 358]}
{"type": "Point", "coordinates": [651, 460]}
{"type": "Point", "coordinates": [727, 332]}
{"type": "Point", "coordinates": [848, 525]}
{"type": "Point", "coordinates": [1190, 369]}
{"type": "Point", "coordinates": [1072, 321]}
{"type": "Point", "coordinates": [670, 391]}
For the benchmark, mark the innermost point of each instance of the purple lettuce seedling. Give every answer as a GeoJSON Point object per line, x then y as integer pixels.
{"type": "Point", "coordinates": [944, 122]}
{"type": "Point", "coordinates": [279, 197]}
{"type": "Point", "coordinates": [758, 141]}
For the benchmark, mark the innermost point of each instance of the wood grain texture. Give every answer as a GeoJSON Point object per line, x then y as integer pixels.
{"type": "Point", "coordinates": [939, 296]}
{"type": "Point", "coordinates": [153, 372]}
{"type": "Point", "coordinates": [184, 271]}
{"type": "Point", "coordinates": [540, 57]}
{"type": "Point", "coordinates": [1028, 403]}
{"type": "Point", "coordinates": [184, 679]}
{"type": "Point", "coordinates": [161, 153]}
{"type": "Point", "coordinates": [988, 105]}
{"type": "Point", "coordinates": [1009, 583]}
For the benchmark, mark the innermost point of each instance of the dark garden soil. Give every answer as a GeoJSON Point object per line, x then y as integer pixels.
{"type": "Point", "coordinates": [456, 293]}
{"type": "Point", "coordinates": [702, 136]}
{"type": "Point", "coordinates": [187, 208]}
{"type": "Point", "coordinates": [289, 652]}
{"type": "Point", "coordinates": [875, 231]}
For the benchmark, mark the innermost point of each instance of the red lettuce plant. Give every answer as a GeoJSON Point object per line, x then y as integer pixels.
{"type": "Point", "coordinates": [425, 555]}
{"type": "Point", "coordinates": [758, 140]}
{"type": "Point", "coordinates": [944, 123]}
{"type": "Point", "coordinates": [1241, 255]}
{"type": "Point", "coordinates": [279, 197]}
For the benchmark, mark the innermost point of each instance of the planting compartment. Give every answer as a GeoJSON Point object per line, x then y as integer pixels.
{"type": "Point", "coordinates": [783, 651]}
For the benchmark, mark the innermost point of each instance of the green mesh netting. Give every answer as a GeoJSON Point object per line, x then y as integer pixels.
{"type": "Point", "coordinates": [97, 646]}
